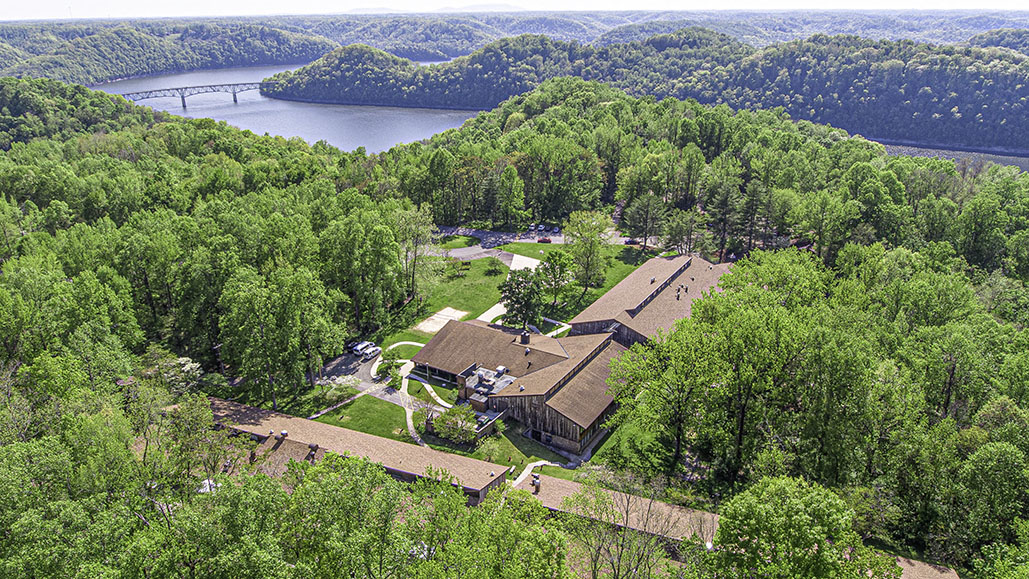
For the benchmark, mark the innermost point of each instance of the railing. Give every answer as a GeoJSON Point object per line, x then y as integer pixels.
{"type": "Point", "coordinates": [184, 91]}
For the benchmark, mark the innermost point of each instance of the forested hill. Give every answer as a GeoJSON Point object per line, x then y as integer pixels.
{"type": "Point", "coordinates": [1015, 39]}
{"type": "Point", "coordinates": [362, 75]}
{"type": "Point", "coordinates": [142, 253]}
{"type": "Point", "coordinates": [894, 90]}
{"type": "Point", "coordinates": [112, 53]}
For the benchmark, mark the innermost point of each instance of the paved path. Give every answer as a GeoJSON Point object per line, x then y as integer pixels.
{"type": "Point", "coordinates": [404, 344]}
{"type": "Point", "coordinates": [490, 239]}
{"type": "Point", "coordinates": [428, 388]}
{"type": "Point", "coordinates": [528, 470]}
{"type": "Point", "coordinates": [408, 405]}
{"type": "Point", "coordinates": [561, 326]}
{"type": "Point", "coordinates": [493, 313]}
{"type": "Point", "coordinates": [321, 413]}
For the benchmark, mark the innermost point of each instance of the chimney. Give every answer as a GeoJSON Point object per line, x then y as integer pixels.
{"type": "Point", "coordinates": [313, 446]}
{"type": "Point", "coordinates": [653, 279]}
{"type": "Point", "coordinates": [535, 484]}
{"type": "Point", "coordinates": [525, 339]}
{"type": "Point", "coordinates": [284, 434]}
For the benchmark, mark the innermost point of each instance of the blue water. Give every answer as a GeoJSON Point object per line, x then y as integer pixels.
{"type": "Point", "coordinates": [344, 126]}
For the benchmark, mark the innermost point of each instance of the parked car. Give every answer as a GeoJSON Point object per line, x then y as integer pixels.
{"type": "Point", "coordinates": [557, 229]}
{"type": "Point", "coordinates": [542, 227]}
{"type": "Point", "coordinates": [631, 242]}
{"type": "Point", "coordinates": [350, 345]}
{"type": "Point", "coordinates": [371, 353]}
{"type": "Point", "coordinates": [543, 240]}
{"type": "Point", "coordinates": [360, 348]}
{"type": "Point", "coordinates": [532, 227]}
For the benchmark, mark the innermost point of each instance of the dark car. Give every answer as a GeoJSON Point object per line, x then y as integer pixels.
{"type": "Point", "coordinates": [543, 240]}
{"type": "Point", "coordinates": [631, 242]}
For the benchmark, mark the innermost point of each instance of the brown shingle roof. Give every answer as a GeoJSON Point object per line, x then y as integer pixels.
{"type": "Point", "coordinates": [683, 522]}
{"type": "Point", "coordinates": [542, 381]}
{"type": "Point", "coordinates": [620, 303]}
{"type": "Point", "coordinates": [664, 310]}
{"type": "Point", "coordinates": [666, 519]}
{"type": "Point", "coordinates": [584, 398]}
{"type": "Point", "coordinates": [458, 345]}
{"type": "Point", "coordinates": [392, 454]}
{"type": "Point", "coordinates": [632, 290]}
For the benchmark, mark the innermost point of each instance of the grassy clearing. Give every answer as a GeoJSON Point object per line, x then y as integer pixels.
{"type": "Point", "coordinates": [458, 241]}
{"type": "Point", "coordinates": [445, 390]}
{"type": "Point", "coordinates": [373, 416]}
{"type": "Point", "coordinates": [405, 352]}
{"type": "Point", "coordinates": [622, 261]}
{"type": "Point", "coordinates": [304, 404]}
{"type": "Point", "coordinates": [410, 335]}
{"type": "Point", "coordinates": [514, 450]}
{"type": "Point", "coordinates": [556, 472]}
{"type": "Point", "coordinates": [417, 390]}
{"type": "Point", "coordinates": [473, 290]}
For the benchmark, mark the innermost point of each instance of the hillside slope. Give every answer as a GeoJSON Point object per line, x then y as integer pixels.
{"type": "Point", "coordinates": [124, 52]}
{"type": "Point", "coordinates": [954, 96]}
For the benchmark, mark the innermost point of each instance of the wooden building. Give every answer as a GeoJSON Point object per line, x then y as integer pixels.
{"type": "Point", "coordinates": [281, 437]}
{"type": "Point", "coordinates": [650, 299]}
{"type": "Point", "coordinates": [555, 387]}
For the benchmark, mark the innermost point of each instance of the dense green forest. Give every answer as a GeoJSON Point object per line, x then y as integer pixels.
{"type": "Point", "coordinates": [902, 91]}
{"type": "Point", "coordinates": [1015, 39]}
{"type": "Point", "coordinates": [446, 36]}
{"type": "Point", "coordinates": [112, 53]}
{"type": "Point", "coordinates": [886, 363]}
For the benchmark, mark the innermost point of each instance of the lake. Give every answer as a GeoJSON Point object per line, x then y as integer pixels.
{"type": "Point", "coordinates": [349, 127]}
{"type": "Point", "coordinates": [344, 126]}
{"type": "Point", "coordinates": [1022, 162]}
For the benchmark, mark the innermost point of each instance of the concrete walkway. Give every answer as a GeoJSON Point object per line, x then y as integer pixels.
{"type": "Point", "coordinates": [337, 405]}
{"type": "Point", "coordinates": [493, 313]}
{"type": "Point", "coordinates": [404, 344]}
{"type": "Point", "coordinates": [428, 388]}
{"type": "Point", "coordinates": [408, 406]}
{"type": "Point", "coordinates": [529, 468]}
{"type": "Point", "coordinates": [561, 326]}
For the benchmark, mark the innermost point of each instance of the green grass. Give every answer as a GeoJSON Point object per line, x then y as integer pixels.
{"type": "Point", "coordinates": [448, 391]}
{"type": "Point", "coordinates": [515, 450]}
{"type": "Point", "coordinates": [417, 389]}
{"type": "Point", "coordinates": [410, 335]}
{"type": "Point", "coordinates": [459, 241]}
{"type": "Point", "coordinates": [373, 416]}
{"type": "Point", "coordinates": [303, 405]}
{"type": "Point", "coordinates": [473, 290]}
{"type": "Point", "coordinates": [476, 291]}
{"type": "Point", "coordinates": [405, 352]}
{"type": "Point", "coordinates": [531, 249]}
{"type": "Point", "coordinates": [557, 472]}
{"type": "Point", "coordinates": [622, 261]}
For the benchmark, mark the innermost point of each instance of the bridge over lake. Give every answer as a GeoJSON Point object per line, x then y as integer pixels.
{"type": "Point", "coordinates": [184, 91]}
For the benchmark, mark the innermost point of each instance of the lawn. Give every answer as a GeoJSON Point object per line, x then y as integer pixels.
{"type": "Point", "coordinates": [373, 416]}
{"type": "Point", "coordinates": [622, 261]}
{"type": "Point", "coordinates": [302, 405]}
{"type": "Point", "coordinates": [410, 335]}
{"type": "Point", "coordinates": [417, 390]}
{"type": "Point", "coordinates": [557, 472]}
{"type": "Point", "coordinates": [473, 290]}
{"type": "Point", "coordinates": [515, 449]}
{"type": "Point", "coordinates": [459, 241]}
{"type": "Point", "coordinates": [446, 391]}
{"type": "Point", "coordinates": [405, 352]}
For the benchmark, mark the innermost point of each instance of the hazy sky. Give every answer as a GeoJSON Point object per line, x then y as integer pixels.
{"type": "Point", "coordinates": [45, 9]}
